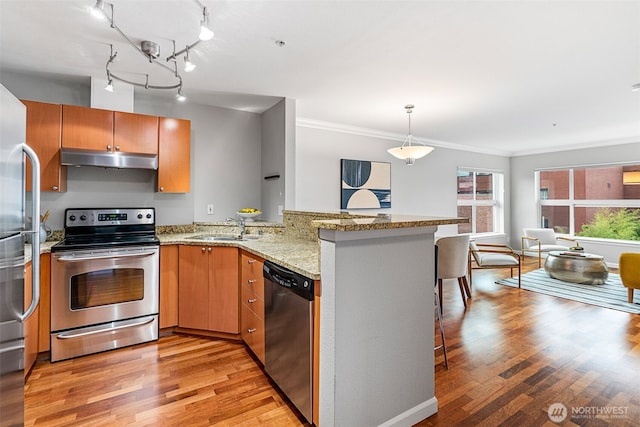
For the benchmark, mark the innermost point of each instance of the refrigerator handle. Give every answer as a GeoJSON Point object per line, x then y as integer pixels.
{"type": "Point", "coordinates": [35, 231]}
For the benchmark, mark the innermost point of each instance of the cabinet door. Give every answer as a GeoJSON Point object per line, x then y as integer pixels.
{"type": "Point", "coordinates": [168, 286]}
{"type": "Point", "coordinates": [223, 290]}
{"type": "Point", "coordinates": [44, 127]}
{"type": "Point", "coordinates": [45, 303]}
{"type": "Point", "coordinates": [135, 133]}
{"type": "Point", "coordinates": [87, 128]}
{"type": "Point", "coordinates": [30, 325]}
{"type": "Point", "coordinates": [174, 155]}
{"type": "Point", "coordinates": [193, 299]}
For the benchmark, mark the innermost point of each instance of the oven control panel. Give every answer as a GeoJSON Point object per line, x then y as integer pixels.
{"type": "Point", "coordinates": [104, 216]}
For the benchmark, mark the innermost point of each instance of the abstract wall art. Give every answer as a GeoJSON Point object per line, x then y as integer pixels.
{"type": "Point", "coordinates": [365, 184]}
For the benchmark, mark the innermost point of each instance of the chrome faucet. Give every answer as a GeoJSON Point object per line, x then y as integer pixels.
{"type": "Point", "coordinates": [240, 223]}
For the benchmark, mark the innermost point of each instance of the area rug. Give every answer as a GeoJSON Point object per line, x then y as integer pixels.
{"type": "Point", "coordinates": [611, 294]}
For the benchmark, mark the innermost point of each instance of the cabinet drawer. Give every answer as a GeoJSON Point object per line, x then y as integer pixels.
{"type": "Point", "coordinates": [252, 274]}
{"type": "Point", "coordinates": [253, 331]}
{"type": "Point", "coordinates": [253, 300]}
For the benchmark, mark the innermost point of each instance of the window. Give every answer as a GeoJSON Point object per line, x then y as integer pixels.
{"type": "Point", "coordinates": [599, 201]}
{"type": "Point", "coordinates": [480, 198]}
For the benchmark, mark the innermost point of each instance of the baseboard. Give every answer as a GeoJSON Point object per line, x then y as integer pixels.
{"type": "Point", "coordinates": [413, 415]}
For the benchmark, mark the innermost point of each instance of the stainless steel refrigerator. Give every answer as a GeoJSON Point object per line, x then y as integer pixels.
{"type": "Point", "coordinates": [13, 312]}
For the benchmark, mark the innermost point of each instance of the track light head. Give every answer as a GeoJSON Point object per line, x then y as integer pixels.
{"type": "Point", "coordinates": [179, 96]}
{"type": "Point", "coordinates": [206, 33]}
{"type": "Point", "coordinates": [97, 11]}
{"type": "Point", "coordinates": [109, 86]}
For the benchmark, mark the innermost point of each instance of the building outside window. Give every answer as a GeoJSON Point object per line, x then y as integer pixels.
{"type": "Point", "coordinates": [599, 201]}
{"type": "Point", "coordinates": [481, 198]}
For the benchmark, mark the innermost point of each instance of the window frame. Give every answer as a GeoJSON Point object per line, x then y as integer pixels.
{"type": "Point", "coordinates": [572, 203]}
{"type": "Point", "coordinates": [497, 202]}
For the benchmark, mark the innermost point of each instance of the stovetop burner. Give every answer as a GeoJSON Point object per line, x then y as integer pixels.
{"type": "Point", "coordinates": [102, 228]}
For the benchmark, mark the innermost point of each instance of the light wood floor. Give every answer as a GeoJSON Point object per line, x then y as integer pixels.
{"type": "Point", "coordinates": [512, 353]}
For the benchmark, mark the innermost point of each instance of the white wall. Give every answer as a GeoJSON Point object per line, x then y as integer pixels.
{"type": "Point", "coordinates": [523, 207]}
{"type": "Point", "coordinates": [427, 188]}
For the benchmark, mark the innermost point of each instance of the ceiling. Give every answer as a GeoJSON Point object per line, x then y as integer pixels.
{"type": "Point", "coordinates": [502, 77]}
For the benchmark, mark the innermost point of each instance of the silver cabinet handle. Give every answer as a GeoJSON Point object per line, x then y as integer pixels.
{"type": "Point", "coordinates": [251, 261]}
{"type": "Point", "coordinates": [161, 188]}
{"type": "Point", "coordinates": [35, 230]}
{"type": "Point", "coordinates": [251, 281]}
{"type": "Point", "coordinates": [108, 148]}
{"type": "Point", "coordinates": [54, 188]}
{"type": "Point", "coordinates": [117, 148]}
{"type": "Point", "coordinates": [251, 330]}
{"type": "Point", "coordinates": [209, 249]}
{"type": "Point", "coordinates": [252, 300]}
{"type": "Point", "coordinates": [203, 249]}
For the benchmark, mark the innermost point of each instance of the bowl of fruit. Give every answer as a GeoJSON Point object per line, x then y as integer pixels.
{"type": "Point", "coordinates": [249, 213]}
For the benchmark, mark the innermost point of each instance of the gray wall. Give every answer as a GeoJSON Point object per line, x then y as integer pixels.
{"type": "Point", "coordinates": [523, 208]}
{"type": "Point", "coordinates": [273, 144]}
{"type": "Point", "coordinates": [225, 159]}
{"type": "Point", "coordinates": [427, 188]}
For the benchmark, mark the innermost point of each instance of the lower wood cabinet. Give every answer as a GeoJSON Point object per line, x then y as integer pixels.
{"type": "Point", "coordinates": [30, 324]}
{"type": "Point", "coordinates": [208, 288]}
{"type": "Point", "coordinates": [169, 266]}
{"type": "Point", "coordinates": [45, 303]}
{"type": "Point", "coordinates": [252, 312]}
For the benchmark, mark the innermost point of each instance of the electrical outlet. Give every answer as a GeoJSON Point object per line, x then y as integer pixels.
{"type": "Point", "coordinates": [280, 207]}
{"type": "Point", "coordinates": [209, 209]}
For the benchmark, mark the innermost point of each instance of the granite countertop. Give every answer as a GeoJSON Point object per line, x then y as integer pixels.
{"type": "Point", "coordinates": [382, 222]}
{"type": "Point", "coordinates": [301, 256]}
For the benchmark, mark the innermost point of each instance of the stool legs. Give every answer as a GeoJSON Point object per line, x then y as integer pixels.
{"type": "Point", "coordinates": [443, 346]}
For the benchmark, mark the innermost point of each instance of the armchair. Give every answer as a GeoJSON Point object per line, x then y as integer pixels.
{"type": "Point", "coordinates": [543, 240]}
{"type": "Point", "coordinates": [487, 255]}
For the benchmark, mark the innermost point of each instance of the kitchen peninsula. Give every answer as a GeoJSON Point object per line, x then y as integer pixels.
{"type": "Point", "coordinates": [376, 320]}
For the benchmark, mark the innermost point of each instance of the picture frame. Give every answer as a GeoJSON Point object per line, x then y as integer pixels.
{"type": "Point", "coordinates": [365, 184]}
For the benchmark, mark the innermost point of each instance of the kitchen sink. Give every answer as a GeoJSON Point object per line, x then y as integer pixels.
{"type": "Point", "coordinates": [219, 238]}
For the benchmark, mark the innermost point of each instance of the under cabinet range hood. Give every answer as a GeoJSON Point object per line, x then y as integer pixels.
{"type": "Point", "coordinates": [107, 159]}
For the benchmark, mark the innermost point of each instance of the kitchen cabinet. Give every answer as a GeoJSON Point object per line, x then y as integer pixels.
{"type": "Point", "coordinates": [168, 286]}
{"type": "Point", "coordinates": [45, 303]}
{"type": "Point", "coordinates": [30, 325]}
{"type": "Point", "coordinates": [252, 312]}
{"type": "Point", "coordinates": [174, 155]}
{"type": "Point", "coordinates": [208, 288]}
{"type": "Point", "coordinates": [43, 136]}
{"type": "Point", "coordinates": [87, 128]}
{"type": "Point", "coordinates": [135, 133]}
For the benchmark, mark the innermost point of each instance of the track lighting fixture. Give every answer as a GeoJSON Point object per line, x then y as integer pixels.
{"type": "Point", "coordinates": [408, 151]}
{"type": "Point", "coordinates": [151, 51]}
{"type": "Point", "coordinates": [206, 33]}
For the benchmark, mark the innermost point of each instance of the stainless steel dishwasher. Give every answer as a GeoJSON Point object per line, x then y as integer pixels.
{"type": "Point", "coordinates": [288, 318]}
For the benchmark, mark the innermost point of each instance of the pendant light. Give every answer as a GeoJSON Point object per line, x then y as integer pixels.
{"type": "Point", "coordinates": [408, 151]}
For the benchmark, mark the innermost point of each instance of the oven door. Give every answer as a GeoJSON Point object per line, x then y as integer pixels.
{"type": "Point", "coordinates": [99, 286]}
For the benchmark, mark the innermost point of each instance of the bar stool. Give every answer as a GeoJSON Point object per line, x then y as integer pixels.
{"type": "Point", "coordinates": [438, 311]}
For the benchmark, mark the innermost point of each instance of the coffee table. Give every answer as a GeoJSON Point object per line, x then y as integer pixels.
{"type": "Point", "coordinates": [576, 267]}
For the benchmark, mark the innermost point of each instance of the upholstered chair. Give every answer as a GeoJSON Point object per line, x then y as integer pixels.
{"type": "Point", "coordinates": [489, 255]}
{"type": "Point", "coordinates": [544, 240]}
{"type": "Point", "coordinates": [452, 263]}
{"type": "Point", "coordinates": [629, 266]}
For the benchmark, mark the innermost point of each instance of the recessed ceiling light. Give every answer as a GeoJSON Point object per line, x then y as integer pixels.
{"type": "Point", "coordinates": [280, 43]}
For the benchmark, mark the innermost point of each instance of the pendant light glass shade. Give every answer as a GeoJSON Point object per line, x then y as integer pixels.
{"type": "Point", "coordinates": [407, 151]}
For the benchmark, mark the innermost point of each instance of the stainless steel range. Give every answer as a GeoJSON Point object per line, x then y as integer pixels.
{"type": "Point", "coordinates": [104, 281]}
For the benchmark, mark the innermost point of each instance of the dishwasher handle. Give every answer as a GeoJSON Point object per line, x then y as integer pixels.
{"type": "Point", "coordinates": [286, 278]}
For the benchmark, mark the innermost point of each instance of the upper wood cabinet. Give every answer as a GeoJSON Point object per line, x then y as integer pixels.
{"type": "Point", "coordinates": [135, 133]}
{"type": "Point", "coordinates": [174, 155]}
{"type": "Point", "coordinates": [43, 136]}
{"type": "Point", "coordinates": [87, 128]}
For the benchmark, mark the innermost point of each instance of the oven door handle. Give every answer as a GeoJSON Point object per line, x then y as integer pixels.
{"type": "Point", "coordinates": [105, 256]}
{"type": "Point", "coordinates": [69, 335]}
